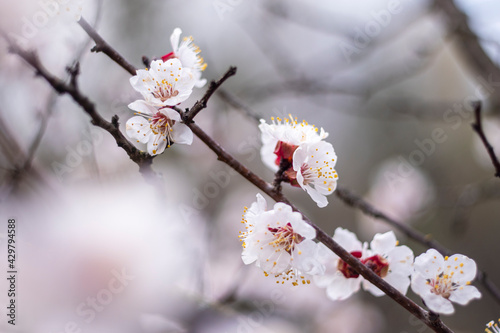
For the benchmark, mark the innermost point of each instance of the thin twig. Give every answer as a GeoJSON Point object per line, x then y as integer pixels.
{"type": "Point", "coordinates": [478, 127]}
{"type": "Point", "coordinates": [102, 46]}
{"type": "Point", "coordinates": [201, 104]}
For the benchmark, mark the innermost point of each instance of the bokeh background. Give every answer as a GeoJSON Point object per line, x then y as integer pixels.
{"type": "Point", "coordinates": [380, 76]}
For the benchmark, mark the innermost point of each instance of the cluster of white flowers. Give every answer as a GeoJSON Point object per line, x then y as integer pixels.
{"type": "Point", "coordinates": [167, 83]}
{"type": "Point", "coordinates": [306, 159]}
{"type": "Point", "coordinates": [282, 244]}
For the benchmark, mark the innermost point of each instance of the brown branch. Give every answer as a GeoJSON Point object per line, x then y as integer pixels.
{"type": "Point", "coordinates": [102, 46]}
{"type": "Point", "coordinates": [478, 128]}
{"type": "Point", "coordinates": [142, 159]}
{"type": "Point", "coordinates": [201, 104]}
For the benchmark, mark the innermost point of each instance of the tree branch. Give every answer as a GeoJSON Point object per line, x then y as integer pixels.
{"type": "Point", "coordinates": [478, 128]}
{"type": "Point", "coordinates": [201, 104]}
{"type": "Point", "coordinates": [102, 46]}
{"type": "Point", "coordinates": [469, 42]}
{"type": "Point", "coordinates": [144, 160]}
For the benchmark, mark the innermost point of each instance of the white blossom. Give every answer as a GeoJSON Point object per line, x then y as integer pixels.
{"type": "Point", "coordinates": [390, 262]}
{"type": "Point", "coordinates": [340, 280]}
{"type": "Point", "coordinates": [314, 164]}
{"type": "Point", "coordinates": [164, 84]}
{"type": "Point", "coordinates": [280, 242]}
{"type": "Point", "coordinates": [281, 138]}
{"type": "Point", "coordinates": [188, 54]}
{"type": "Point", "coordinates": [441, 281]}
{"type": "Point", "coordinates": [159, 128]}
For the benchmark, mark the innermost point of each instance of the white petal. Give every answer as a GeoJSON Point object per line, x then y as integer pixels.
{"type": "Point", "coordinates": [383, 243]}
{"type": "Point", "coordinates": [156, 144]}
{"type": "Point", "coordinates": [464, 295]}
{"type": "Point", "coordinates": [347, 240]}
{"type": "Point", "coordinates": [438, 304]}
{"type": "Point", "coordinates": [138, 128]}
{"type": "Point", "coordinates": [181, 134]}
{"type": "Point", "coordinates": [248, 257]}
{"type": "Point", "coordinates": [429, 263]}
{"type": "Point", "coordinates": [305, 258]}
{"type": "Point", "coordinates": [143, 107]}
{"type": "Point", "coordinates": [398, 280]}
{"type": "Point", "coordinates": [464, 267]}
{"type": "Point", "coordinates": [200, 83]}
{"type": "Point", "coordinates": [341, 288]}
{"type": "Point", "coordinates": [320, 199]}
{"type": "Point", "coordinates": [401, 260]}
{"type": "Point", "coordinates": [419, 284]}
{"type": "Point", "coordinates": [174, 40]}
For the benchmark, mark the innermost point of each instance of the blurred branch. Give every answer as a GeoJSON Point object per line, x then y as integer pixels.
{"type": "Point", "coordinates": [469, 197]}
{"type": "Point", "coordinates": [45, 116]}
{"type": "Point", "coordinates": [144, 160]}
{"type": "Point", "coordinates": [232, 100]}
{"type": "Point", "coordinates": [429, 318]}
{"type": "Point", "coordinates": [201, 104]}
{"type": "Point", "coordinates": [468, 41]}
{"type": "Point", "coordinates": [102, 46]}
{"type": "Point", "coordinates": [478, 128]}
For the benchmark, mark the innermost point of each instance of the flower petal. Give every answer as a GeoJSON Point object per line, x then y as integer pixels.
{"type": "Point", "coordinates": [342, 288]}
{"type": "Point", "coordinates": [465, 294]}
{"type": "Point", "coordinates": [138, 128]}
{"type": "Point", "coordinates": [181, 134]}
{"type": "Point", "coordinates": [383, 243]}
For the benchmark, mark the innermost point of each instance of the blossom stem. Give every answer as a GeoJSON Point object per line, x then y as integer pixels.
{"type": "Point", "coordinates": [201, 104]}
{"type": "Point", "coordinates": [102, 46]}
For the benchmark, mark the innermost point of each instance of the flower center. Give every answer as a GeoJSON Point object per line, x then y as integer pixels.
{"type": "Point", "coordinates": [284, 151]}
{"type": "Point", "coordinates": [161, 124]}
{"type": "Point", "coordinates": [378, 265]}
{"type": "Point", "coordinates": [347, 270]}
{"type": "Point", "coordinates": [285, 238]}
{"type": "Point", "coordinates": [164, 90]}
{"type": "Point", "coordinates": [442, 285]}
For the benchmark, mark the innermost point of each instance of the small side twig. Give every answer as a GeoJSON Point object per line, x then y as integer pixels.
{"type": "Point", "coordinates": [201, 104]}
{"type": "Point", "coordinates": [102, 46]}
{"type": "Point", "coordinates": [478, 128]}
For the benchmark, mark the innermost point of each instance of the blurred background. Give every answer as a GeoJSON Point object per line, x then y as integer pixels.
{"type": "Point", "coordinates": [390, 80]}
